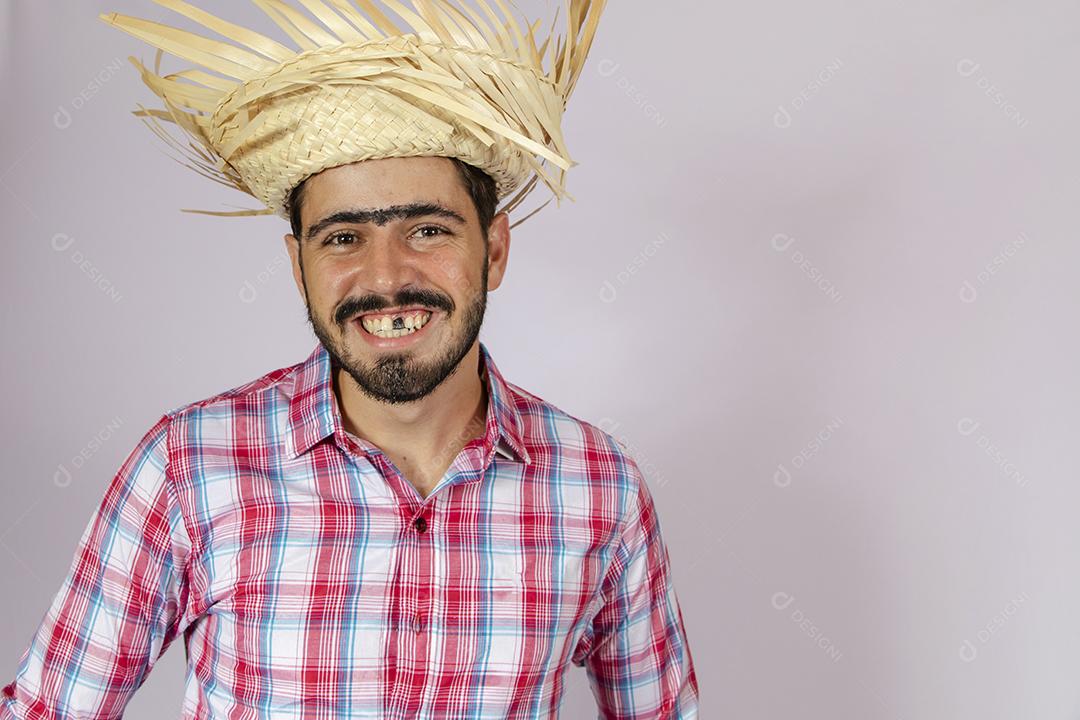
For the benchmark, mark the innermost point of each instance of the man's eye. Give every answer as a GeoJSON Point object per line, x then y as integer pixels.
{"type": "Point", "coordinates": [438, 230]}
{"type": "Point", "coordinates": [330, 240]}
{"type": "Point", "coordinates": [348, 237]}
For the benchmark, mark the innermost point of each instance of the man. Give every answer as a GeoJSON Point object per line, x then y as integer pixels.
{"type": "Point", "coordinates": [389, 528]}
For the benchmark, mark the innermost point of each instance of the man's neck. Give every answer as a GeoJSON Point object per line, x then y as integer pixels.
{"type": "Point", "coordinates": [429, 431]}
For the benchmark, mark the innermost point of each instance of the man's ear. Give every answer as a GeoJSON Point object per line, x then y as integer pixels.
{"type": "Point", "coordinates": [498, 249]}
{"type": "Point", "coordinates": [292, 245]}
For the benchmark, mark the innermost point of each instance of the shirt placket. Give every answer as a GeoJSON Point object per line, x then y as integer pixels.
{"type": "Point", "coordinates": [417, 602]}
{"type": "Point", "coordinates": [413, 597]}
{"type": "Point", "coordinates": [415, 570]}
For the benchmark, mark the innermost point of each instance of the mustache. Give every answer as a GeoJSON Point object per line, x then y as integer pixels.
{"type": "Point", "coordinates": [351, 307]}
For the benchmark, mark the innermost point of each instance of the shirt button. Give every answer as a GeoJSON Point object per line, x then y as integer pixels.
{"type": "Point", "coordinates": [420, 524]}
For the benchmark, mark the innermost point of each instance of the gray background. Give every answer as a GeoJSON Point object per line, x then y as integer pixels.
{"type": "Point", "coordinates": [818, 276]}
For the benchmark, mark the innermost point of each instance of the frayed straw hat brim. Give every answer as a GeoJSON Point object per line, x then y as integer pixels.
{"type": "Point", "coordinates": [465, 81]}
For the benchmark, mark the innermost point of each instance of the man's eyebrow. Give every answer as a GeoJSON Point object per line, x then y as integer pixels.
{"type": "Point", "coordinates": [381, 216]}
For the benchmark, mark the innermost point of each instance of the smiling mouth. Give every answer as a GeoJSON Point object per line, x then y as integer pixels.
{"type": "Point", "coordinates": [392, 325]}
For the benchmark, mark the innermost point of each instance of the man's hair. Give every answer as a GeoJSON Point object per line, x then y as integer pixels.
{"type": "Point", "coordinates": [479, 185]}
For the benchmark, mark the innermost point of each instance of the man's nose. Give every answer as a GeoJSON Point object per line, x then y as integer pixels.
{"type": "Point", "coordinates": [388, 265]}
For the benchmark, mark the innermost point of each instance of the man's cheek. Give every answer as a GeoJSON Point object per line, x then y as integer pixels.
{"type": "Point", "coordinates": [447, 267]}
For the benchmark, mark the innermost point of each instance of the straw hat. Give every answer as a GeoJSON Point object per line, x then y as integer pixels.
{"type": "Point", "coordinates": [458, 82]}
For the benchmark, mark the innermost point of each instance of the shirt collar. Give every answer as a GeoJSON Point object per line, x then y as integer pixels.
{"type": "Point", "coordinates": [314, 414]}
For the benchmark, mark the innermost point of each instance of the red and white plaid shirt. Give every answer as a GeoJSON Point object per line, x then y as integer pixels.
{"type": "Point", "coordinates": [309, 580]}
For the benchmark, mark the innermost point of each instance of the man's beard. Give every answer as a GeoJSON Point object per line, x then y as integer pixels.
{"type": "Point", "coordinates": [396, 377]}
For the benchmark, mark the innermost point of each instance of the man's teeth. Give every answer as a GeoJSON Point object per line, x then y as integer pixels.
{"type": "Point", "coordinates": [383, 325]}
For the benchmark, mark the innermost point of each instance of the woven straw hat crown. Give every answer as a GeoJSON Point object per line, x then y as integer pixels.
{"type": "Point", "coordinates": [460, 81]}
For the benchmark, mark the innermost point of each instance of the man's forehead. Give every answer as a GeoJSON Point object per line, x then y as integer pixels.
{"type": "Point", "coordinates": [430, 170]}
{"type": "Point", "coordinates": [385, 188]}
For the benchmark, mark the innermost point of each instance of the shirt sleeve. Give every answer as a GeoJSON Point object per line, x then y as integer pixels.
{"type": "Point", "coordinates": [635, 650]}
{"type": "Point", "coordinates": [121, 603]}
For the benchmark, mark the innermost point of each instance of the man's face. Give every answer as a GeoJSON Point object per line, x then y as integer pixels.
{"type": "Point", "coordinates": [388, 244]}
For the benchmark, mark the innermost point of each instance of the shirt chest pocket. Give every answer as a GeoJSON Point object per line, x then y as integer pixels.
{"type": "Point", "coordinates": [506, 572]}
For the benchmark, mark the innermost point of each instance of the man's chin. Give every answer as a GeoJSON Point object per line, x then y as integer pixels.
{"type": "Point", "coordinates": [395, 378]}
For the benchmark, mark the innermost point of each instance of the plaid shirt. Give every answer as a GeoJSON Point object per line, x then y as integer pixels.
{"type": "Point", "coordinates": [308, 579]}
